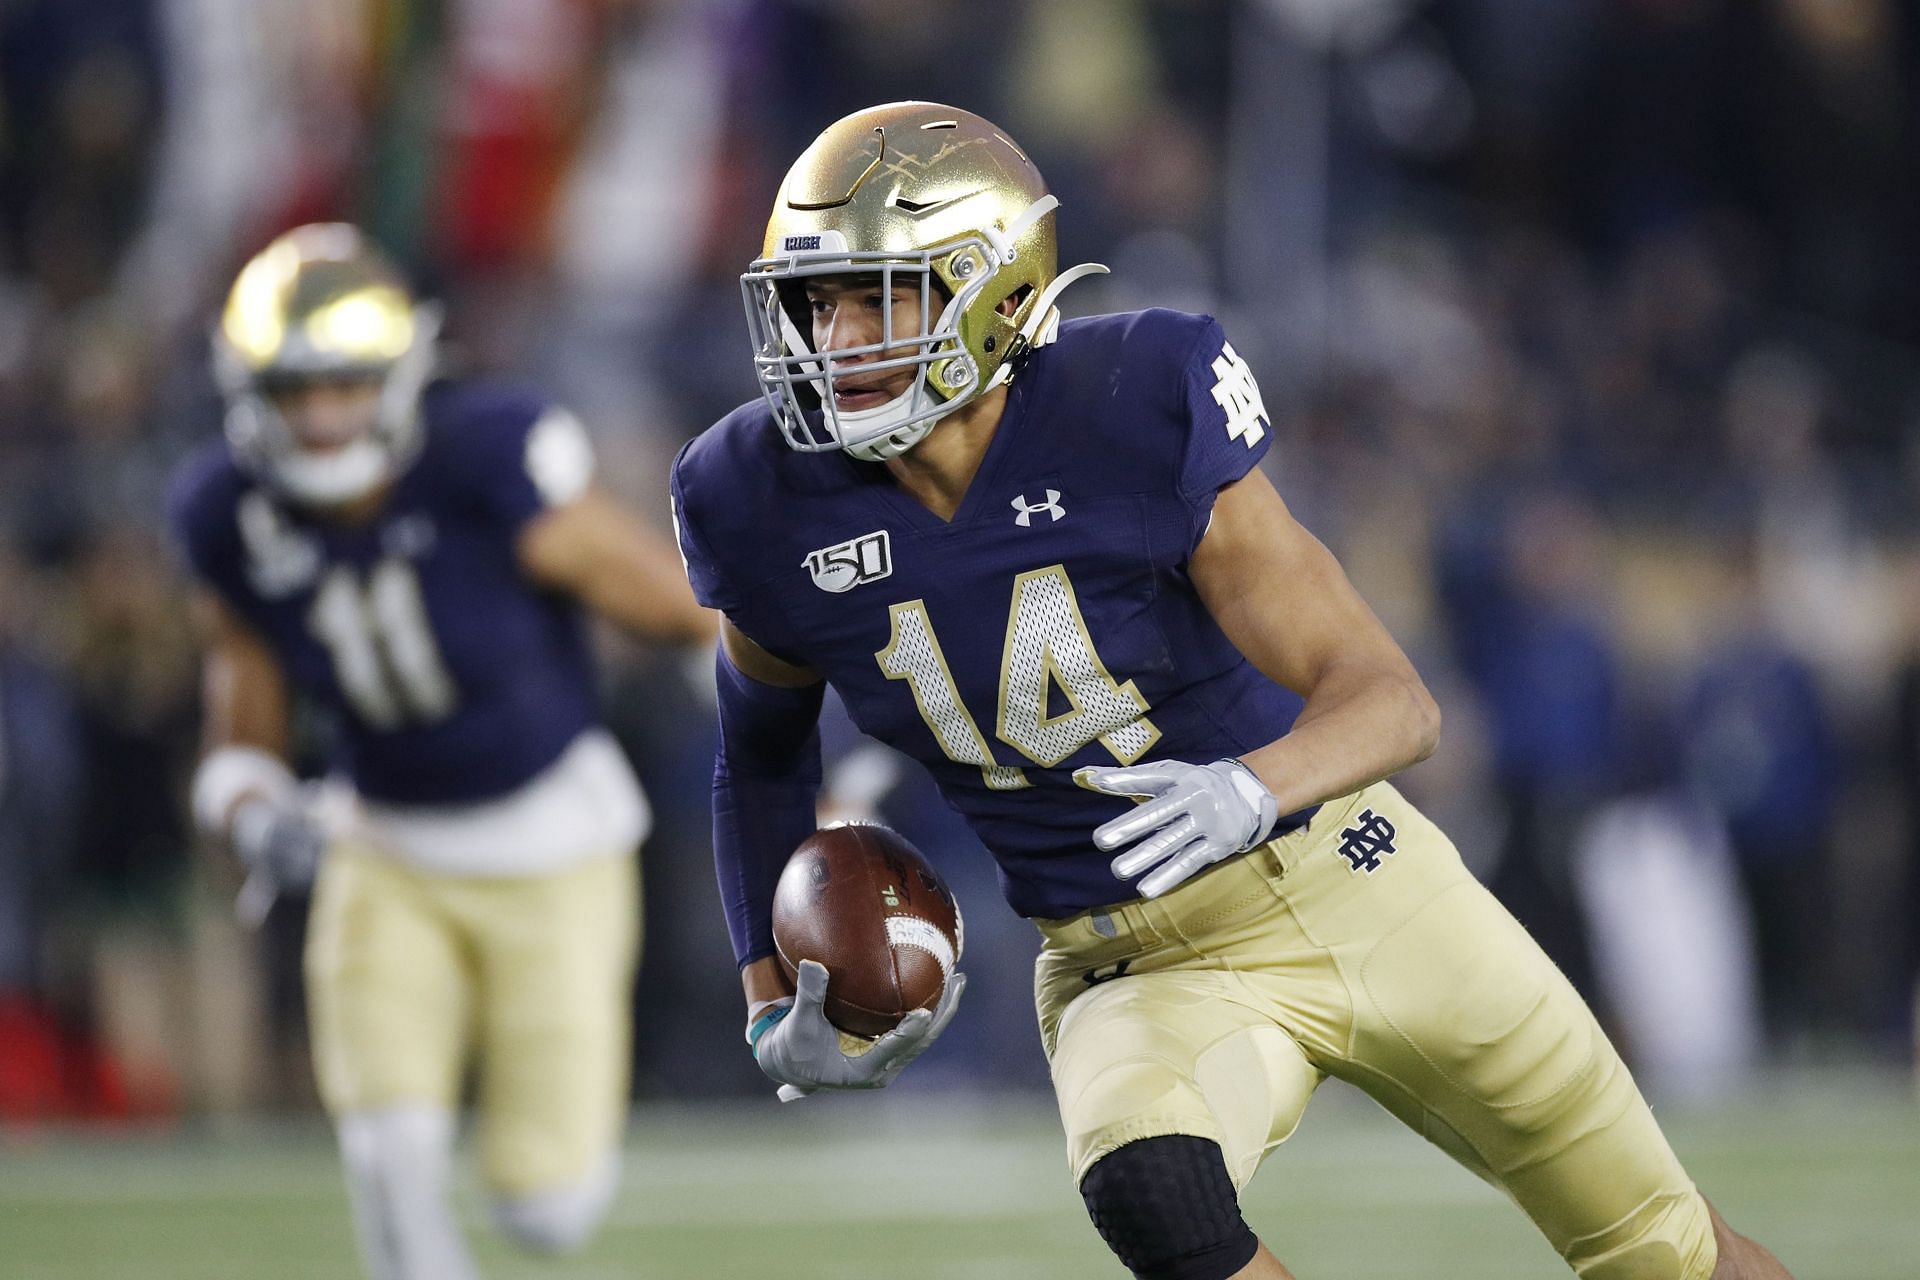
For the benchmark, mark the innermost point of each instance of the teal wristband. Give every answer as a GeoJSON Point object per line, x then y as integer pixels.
{"type": "Point", "coordinates": [764, 1023]}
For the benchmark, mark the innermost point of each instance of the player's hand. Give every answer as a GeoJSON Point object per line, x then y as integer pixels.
{"type": "Point", "coordinates": [1194, 816]}
{"type": "Point", "coordinates": [280, 840]}
{"type": "Point", "coordinates": [796, 1046]}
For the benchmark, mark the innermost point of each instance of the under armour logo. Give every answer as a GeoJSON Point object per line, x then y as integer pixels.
{"type": "Point", "coordinates": [1365, 841]}
{"type": "Point", "coordinates": [1239, 395]}
{"type": "Point", "coordinates": [1026, 509]}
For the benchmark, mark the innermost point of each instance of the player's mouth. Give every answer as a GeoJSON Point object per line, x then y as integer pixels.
{"type": "Point", "coordinates": [851, 396]}
{"type": "Point", "coordinates": [330, 439]}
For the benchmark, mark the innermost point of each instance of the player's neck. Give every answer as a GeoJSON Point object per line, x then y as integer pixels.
{"type": "Point", "coordinates": [359, 510]}
{"type": "Point", "coordinates": [937, 471]}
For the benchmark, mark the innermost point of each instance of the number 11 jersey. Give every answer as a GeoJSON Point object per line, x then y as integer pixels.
{"type": "Point", "coordinates": [1050, 624]}
{"type": "Point", "coordinates": [453, 678]}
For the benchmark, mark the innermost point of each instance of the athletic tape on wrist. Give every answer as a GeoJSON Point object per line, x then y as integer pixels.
{"type": "Point", "coordinates": [229, 773]}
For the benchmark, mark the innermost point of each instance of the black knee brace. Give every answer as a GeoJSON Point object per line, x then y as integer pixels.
{"type": "Point", "coordinates": [1167, 1209]}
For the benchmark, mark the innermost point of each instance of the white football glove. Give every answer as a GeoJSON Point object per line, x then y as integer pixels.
{"type": "Point", "coordinates": [796, 1046]}
{"type": "Point", "coordinates": [1195, 815]}
{"type": "Point", "coordinates": [278, 840]}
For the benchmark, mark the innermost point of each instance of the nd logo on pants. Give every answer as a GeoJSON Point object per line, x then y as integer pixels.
{"type": "Point", "coordinates": [1360, 947]}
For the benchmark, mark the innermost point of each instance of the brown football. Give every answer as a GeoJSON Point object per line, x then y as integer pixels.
{"type": "Point", "coordinates": [860, 899]}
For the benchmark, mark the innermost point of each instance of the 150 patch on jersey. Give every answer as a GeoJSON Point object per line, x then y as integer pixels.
{"type": "Point", "coordinates": [845, 565]}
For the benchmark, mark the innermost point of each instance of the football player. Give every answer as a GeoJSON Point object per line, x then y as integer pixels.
{"type": "Point", "coordinates": [1040, 558]}
{"type": "Point", "coordinates": [418, 556]}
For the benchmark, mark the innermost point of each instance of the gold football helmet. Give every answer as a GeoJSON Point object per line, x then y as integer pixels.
{"type": "Point", "coordinates": [917, 193]}
{"type": "Point", "coordinates": [321, 303]}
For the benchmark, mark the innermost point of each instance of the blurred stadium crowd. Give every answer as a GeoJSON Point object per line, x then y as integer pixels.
{"type": "Point", "coordinates": [1589, 331]}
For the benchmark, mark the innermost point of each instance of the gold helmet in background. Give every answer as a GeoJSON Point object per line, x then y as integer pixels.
{"type": "Point", "coordinates": [322, 304]}
{"type": "Point", "coordinates": [920, 194]}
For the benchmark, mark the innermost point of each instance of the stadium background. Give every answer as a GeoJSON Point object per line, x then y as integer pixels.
{"type": "Point", "coordinates": [1588, 329]}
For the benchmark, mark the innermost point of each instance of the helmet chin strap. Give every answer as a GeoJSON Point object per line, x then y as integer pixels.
{"type": "Point", "coordinates": [879, 440]}
{"type": "Point", "coordinates": [343, 475]}
{"type": "Point", "coordinates": [1042, 325]}
{"type": "Point", "coordinates": [883, 444]}
{"type": "Point", "coordinates": [1003, 242]}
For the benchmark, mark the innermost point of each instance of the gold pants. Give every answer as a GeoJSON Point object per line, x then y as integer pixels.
{"type": "Point", "coordinates": [1360, 947]}
{"type": "Point", "coordinates": [413, 976]}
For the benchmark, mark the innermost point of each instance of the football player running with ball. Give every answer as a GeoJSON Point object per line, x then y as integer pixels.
{"type": "Point", "coordinates": [1039, 558]}
{"type": "Point", "coordinates": [417, 557]}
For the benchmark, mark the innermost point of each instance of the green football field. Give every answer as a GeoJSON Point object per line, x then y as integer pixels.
{"type": "Point", "coordinates": [1825, 1172]}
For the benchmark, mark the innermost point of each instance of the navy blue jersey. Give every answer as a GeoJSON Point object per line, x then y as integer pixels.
{"type": "Point", "coordinates": [1051, 624]}
{"type": "Point", "coordinates": [454, 678]}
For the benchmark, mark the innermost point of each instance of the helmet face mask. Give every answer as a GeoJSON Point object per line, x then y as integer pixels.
{"type": "Point", "coordinates": [797, 379]}
{"type": "Point", "coordinates": [321, 306]}
{"type": "Point", "coordinates": [916, 195]}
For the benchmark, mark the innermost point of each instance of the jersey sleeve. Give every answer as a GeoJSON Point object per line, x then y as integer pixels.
{"type": "Point", "coordinates": [201, 519]}
{"type": "Point", "coordinates": [766, 785]}
{"type": "Point", "coordinates": [1228, 430]}
{"type": "Point", "coordinates": [703, 570]}
{"type": "Point", "coordinates": [535, 456]}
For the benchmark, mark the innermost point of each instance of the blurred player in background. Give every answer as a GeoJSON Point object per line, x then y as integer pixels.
{"type": "Point", "coordinates": [1041, 559]}
{"type": "Point", "coordinates": [418, 558]}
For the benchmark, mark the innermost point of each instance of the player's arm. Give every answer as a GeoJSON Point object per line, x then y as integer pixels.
{"type": "Point", "coordinates": [597, 551]}
{"type": "Point", "coordinates": [244, 714]}
{"type": "Point", "coordinates": [1285, 603]}
{"type": "Point", "coordinates": [243, 792]}
{"type": "Point", "coordinates": [766, 782]}
{"type": "Point", "coordinates": [762, 979]}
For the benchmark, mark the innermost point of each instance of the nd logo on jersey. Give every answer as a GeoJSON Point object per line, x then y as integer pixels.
{"type": "Point", "coordinates": [1239, 395]}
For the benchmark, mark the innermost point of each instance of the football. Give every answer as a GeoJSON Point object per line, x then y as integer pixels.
{"type": "Point", "coordinates": [861, 900]}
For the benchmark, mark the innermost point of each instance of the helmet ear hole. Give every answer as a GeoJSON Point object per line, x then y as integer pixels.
{"type": "Point", "coordinates": [1010, 305]}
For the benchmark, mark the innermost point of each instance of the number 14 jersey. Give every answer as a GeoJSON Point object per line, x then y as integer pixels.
{"type": "Point", "coordinates": [1050, 624]}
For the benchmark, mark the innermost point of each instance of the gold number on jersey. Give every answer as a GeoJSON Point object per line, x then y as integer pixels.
{"type": "Point", "coordinates": [384, 654]}
{"type": "Point", "coordinates": [1048, 647]}
{"type": "Point", "coordinates": [912, 654]}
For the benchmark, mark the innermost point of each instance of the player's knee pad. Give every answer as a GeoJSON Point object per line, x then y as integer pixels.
{"type": "Point", "coordinates": [1168, 1210]}
{"type": "Point", "coordinates": [560, 1219]}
